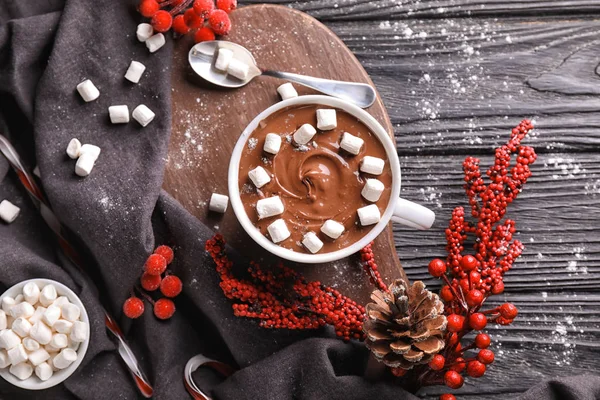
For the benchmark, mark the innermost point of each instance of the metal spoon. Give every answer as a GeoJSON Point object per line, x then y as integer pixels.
{"type": "Point", "coordinates": [201, 58]}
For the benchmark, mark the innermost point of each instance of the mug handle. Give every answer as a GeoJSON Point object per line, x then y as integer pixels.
{"type": "Point", "coordinates": [412, 214]}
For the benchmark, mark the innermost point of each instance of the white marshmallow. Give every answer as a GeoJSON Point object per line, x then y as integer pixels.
{"type": "Point", "coordinates": [73, 345]}
{"type": "Point", "coordinates": [88, 91]}
{"type": "Point", "coordinates": [269, 207]}
{"type": "Point", "coordinates": [85, 165]}
{"type": "Point", "coordinates": [8, 211]}
{"type": "Point", "coordinates": [135, 71]}
{"type": "Point", "coordinates": [22, 309]}
{"type": "Point", "coordinates": [238, 69]}
{"type": "Point", "coordinates": [326, 119]}
{"type": "Point", "coordinates": [51, 315]}
{"type": "Point", "coordinates": [91, 150]}
{"type": "Point", "coordinates": [22, 371]}
{"type": "Point", "coordinates": [64, 358]}
{"type": "Point", "coordinates": [272, 143]}
{"type": "Point", "coordinates": [372, 165]}
{"type": "Point", "coordinates": [369, 215]}
{"type": "Point", "coordinates": [38, 357]}
{"type": "Point", "coordinates": [48, 295]}
{"type": "Point", "coordinates": [4, 361]}
{"type": "Point", "coordinates": [9, 320]}
{"type": "Point", "coordinates": [143, 115]}
{"type": "Point", "coordinates": [278, 231]}
{"type": "Point", "coordinates": [37, 315]}
{"type": "Point", "coordinates": [30, 344]}
{"type": "Point", "coordinates": [144, 32]}
{"type": "Point", "coordinates": [63, 326]}
{"type": "Point", "coordinates": [60, 301]}
{"type": "Point", "coordinates": [17, 354]}
{"type": "Point", "coordinates": [19, 298]}
{"type": "Point", "coordinates": [372, 190]}
{"type": "Point", "coordinates": [259, 176]}
{"type": "Point", "coordinates": [36, 171]}
{"type": "Point", "coordinates": [59, 341]}
{"type": "Point", "coordinates": [44, 371]}
{"type": "Point", "coordinates": [80, 331]}
{"type": "Point", "coordinates": [224, 57]}
{"type": "Point", "coordinates": [21, 327]}
{"type": "Point", "coordinates": [40, 333]}
{"type": "Point", "coordinates": [9, 339]}
{"type": "Point", "coordinates": [31, 293]}
{"type": "Point", "coordinates": [287, 91]}
{"type": "Point", "coordinates": [312, 242]}
{"type": "Point", "coordinates": [51, 361]}
{"type": "Point", "coordinates": [155, 42]}
{"type": "Point", "coordinates": [218, 203]}
{"type": "Point", "coordinates": [8, 303]}
{"type": "Point", "coordinates": [3, 324]}
{"type": "Point", "coordinates": [304, 134]}
{"type": "Point", "coordinates": [332, 228]}
{"type": "Point", "coordinates": [74, 149]}
{"type": "Point", "coordinates": [118, 114]}
{"type": "Point", "coordinates": [70, 312]}
{"type": "Point", "coordinates": [51, 349]}
{"type": "Point", "coordinates": [352, 144]}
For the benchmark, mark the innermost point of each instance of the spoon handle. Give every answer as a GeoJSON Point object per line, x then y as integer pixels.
{"type": "Point", "coordinates": [361, 94]}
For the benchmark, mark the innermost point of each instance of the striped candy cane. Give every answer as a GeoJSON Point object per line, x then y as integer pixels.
{"type": "Point", "coordinates": [39, 200]}
{"type": "Point", "coordinates": [200, 361]}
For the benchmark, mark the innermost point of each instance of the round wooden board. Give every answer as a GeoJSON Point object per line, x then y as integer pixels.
{"type": "Point", "coordinates": [208, 121]}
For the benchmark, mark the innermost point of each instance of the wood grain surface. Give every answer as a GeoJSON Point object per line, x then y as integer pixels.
{"type": "Point", "coordinates": [207, 123]}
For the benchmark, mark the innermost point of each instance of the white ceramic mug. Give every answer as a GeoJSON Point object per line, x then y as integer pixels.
{"type": "Point", "coordinates": [398, 210]}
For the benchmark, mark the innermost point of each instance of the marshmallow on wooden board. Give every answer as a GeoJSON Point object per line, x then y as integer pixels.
{"type": "Point", "coordinates": [17, 354]}
{"type": "Point", "coordinates": [41, 333]}
{"type": "Point", "coordinates": [39, 356]}
{"type": "Point", "coordinates": [70, 312]}
{"type": "Point", "coordinates": [143, 115]}
{"type": "Point", "coordinates": [30, 344]}
{"type": "Point", "coordinates": [238, 68]}
{"type": "Point", "coordinates": [63, 326]}
{"type": "Point", "coordinates": [91, 150]}
{"type": "Point", "coordinates": [278, 231]}
{"type": "Point", "coordinates": [88, 91]}
{"type": "Point", "coordinates": [272, 143]}
{"type": "Point", "coordinates": [326, 119]}
{"type": "Point", "coordinates": [352, 144]}
{"type": "Point", "coordinates": [44, 371]}
{"type": "Point", "coordinates": [22, 309]}
{"type": "Point", "coordinates": [144, 32]}
{"type": "Point", "coordinates": [8, 303]}
{"type": "Point", "coordinates": [74, 149]}
{"type": "Point", "coordinates": [9, 339]}
{"type": "Point", "coordinates": [369, 215]}
{"type": "Point", "coordinates": [269, 207]}
{"type": "Point", "coordinates": [332, 228]}
{"type": "Point", "coordinates": [312, 242]}
{"type": "Point", "coordinates": [8, 211]}
{"type": "Point", "coordinates": [287, 91]}
{"type": "Point", "coordinates": [51, 315]}
{"type": "Point", "coordinates": [60, 340]}
{"type": "Point", "coordinates": [61, 301]}
{"type": "Point", "coordinates": [259, 176]}
{"type": "Point", "coordinates": [22, 371]}
{"type": "Point", "coordinates": [304, 134]}
{"type": "Point", "coordinates": [118, 114]}
{"type": "Point", "coordinates": [372, 165]}
{"type": "Point", "coordinates": [48, 295]}
{"type": "Point", "coordinates": [21, 327]}
{"type": "Point", "coordinates": [85, 164]}
{"type": "Point", "coordinates": [135, 71]}
{"type": "Point", "coordinates": [31, 293]}
{"type": "Point", "coordinates": [64, 358]}
{"type": "Point", "coordinates": [218, 203]}
{"type": "Point", "coordinates": [224, 57]}
{"type": "Point", "coordinates": [3, 324]}
{"type": "Point", "coordinates": [372, 190]}
{"type": "Point", "coordinates": [155, 42]}
{"type": "Point", "coordinates": [4, 361]}
{"type": "Point", "coordinates": [80, 332]}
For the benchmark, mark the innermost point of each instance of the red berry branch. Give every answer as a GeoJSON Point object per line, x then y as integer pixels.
{"type": "Point", "coordinates": [200, 17]}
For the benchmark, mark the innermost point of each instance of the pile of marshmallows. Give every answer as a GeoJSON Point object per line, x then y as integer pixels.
{"type": "Point", "coordinates": [41, 330]}
{"type": "Point", "coordinates": [225, 62]}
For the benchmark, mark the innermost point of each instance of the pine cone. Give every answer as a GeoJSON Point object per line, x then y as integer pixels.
{"type": "Point", "coordinates": [405, 326]}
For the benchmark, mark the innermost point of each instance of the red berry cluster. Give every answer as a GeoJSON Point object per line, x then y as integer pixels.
{"type": "Point", "coordinates": [202, 17]}
{"type": "Point", "coordinates": [470, 279]}
{"type": "Point", "coordinates": [370, 267]}
{"type": "Point", "coordinates": [281, 298]}
{"type": "Point", "coordinates": [153, 279]}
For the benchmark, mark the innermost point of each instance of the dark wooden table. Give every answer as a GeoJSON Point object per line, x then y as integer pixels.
{"type": "Point", "coordinates": [456, 76]}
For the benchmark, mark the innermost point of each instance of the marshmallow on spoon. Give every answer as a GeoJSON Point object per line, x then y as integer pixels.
{"type": "Point", "coordinates": [74, 149]}
{"type": "Point", "coordinates": [41, 333]}
{"type": "Point", "coordinates": [259, 176]}
{"type": "Point", "coordinates": [118, 114]}
{"type": "Point", "coordinates": [326, 119]}
{"type": "Point", "coordinates": [135, 71]}
{"type": "Point", "coordinates": [88, 91]}
{"type": "Point", "coordinates": [21, 327]}
{"type": "Point", "coordinates": [369, 215]}
{"type": "Point", "coordinates": [287, 91]}
{"type": "Point", "coordinates": [31, 293]}
{"type": "Point", "coordinates": [238, 68]}
{"type": "Point", "coordinates": [352, 144]}
{"type": "Point", "coordinates": [17, 354]}
{"type": "Point", "coordinates": [155, 42]}
{"type": "Point", "coordinates": [144, 32]}
{"type": "Point", "coordinates": [312, 242]}
{"type": "Point", "coordinates": [80, 331]}
{"type": "Point", "coordinates": [332, 228]}
{"type": "Point", "coordinates": [372, 165]}
{"type": "Point", "coordinates": [224, 57]}
{"type": "Point", "coordinates": [48, 295]}
{"type": "Point", "coordinates": [9, 339]}
{"type": "Point", "coordinates": [64, 358]}
{"type": "Point", "coordinates": [70, 312]}
{"type": "Point", "coordinates": [372, 190]}
{"type": "Point", "coordinates": [39, 356]}
{"type": "Point", "coordinates": [22, 371]}
{"type": "Point", "coordinates": [272, 143]}
{"type": "Point", "coordinates": [143, 115]}
{"type": "Point", "coordinates": [8, 211]}
{"type": "Point", "coordinates": [304, 134]}
{"type": "Point", "coordinates": [269, 207]}
{"type": "Point", "coordinates": [278, 231]}
{"type": "Point", "coordinates": [44, 371]}
{"type": "Point", "coordinates": [218, 203]}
